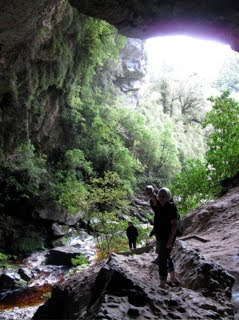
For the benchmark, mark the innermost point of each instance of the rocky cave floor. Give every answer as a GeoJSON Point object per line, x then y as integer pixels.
{"type": "Point", "coordinates": [127, 285]}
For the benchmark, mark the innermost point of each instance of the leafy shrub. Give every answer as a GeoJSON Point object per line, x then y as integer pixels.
{"type": "Point", "coordinates": [69, 191]}
{"type": "Point", "coordinates": [47, 295]}
{"type": "Point", "coordinates": [191, 186]}
{"type": "Point", "coordinates": [198, 181]}
{"type": "Point", "coordinates": [22, 173]}
{"type": "Point", "coordinates": [108, 194]}
{"type": "Point", "coordinates": [3, 259]}
{"type": "Point", "coordinates": [80, 260]}
{"type": "Point", "coordinates": [223, 139]}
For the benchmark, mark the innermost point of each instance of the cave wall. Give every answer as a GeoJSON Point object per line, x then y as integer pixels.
{"type": "Point", "coordinates": [41, 55]}
{"type": "Point", "coordinates": [29, 31]}
{"type": "Point", "coordinates": [32, 68]}
{"type": "Point", "coordinates": [20, 20]}
{"type": "Point", "coordinates": [41, 75]}
{"type": "Point", "coordinates": [33, 71]}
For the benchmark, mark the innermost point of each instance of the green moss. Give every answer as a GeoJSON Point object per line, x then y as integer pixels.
{"type": "Point", "coordinates": [80, 260]}
{"type": "Point", "coordinates": [27, 244]}
{"type": "Point", "coordinates": [60, 69]}
{"type": "Point", "coordinates": [3, 259]}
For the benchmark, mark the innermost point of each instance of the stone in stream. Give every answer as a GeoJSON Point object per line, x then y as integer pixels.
{"type": "Point", "coordinates": [25, 274]}
{"type": "Point", "coordinates": [11, 281]}
{"type": "Point", "coordinates": [63, 255]}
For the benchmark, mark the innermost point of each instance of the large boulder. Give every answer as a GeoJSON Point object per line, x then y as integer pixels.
{"type": "Point", "coordinates": [63, 255]}
{"type": "Point", "coordinates": [127, 287]}
{"type": "Point", "coordinates": [21, 237]}
{"type": "Point", "coordinates": [51, 211]}
{"type": "Point", "coordinates": [11, 281]}
{"type": "Point", "coordinates": [217, 222]}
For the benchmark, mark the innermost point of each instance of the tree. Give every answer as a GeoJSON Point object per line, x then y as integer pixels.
{"type": "Point", "coordinates": [191, 186]}
{"type": "Point", "coordinates": [228, 78]}
{"type": "Point", "coordinates": [223, 139]}
{"type": "Point", "coordinates": [107, 197]}
{"type": "Point", "coordinates": [190, 97]}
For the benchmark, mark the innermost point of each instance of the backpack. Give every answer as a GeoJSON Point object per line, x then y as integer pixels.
{"type": "Point", "coordinates": [179, 231]}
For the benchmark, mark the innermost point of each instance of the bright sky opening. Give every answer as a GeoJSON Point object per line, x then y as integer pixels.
{"type": "Point", "coordinates": [187, 55]}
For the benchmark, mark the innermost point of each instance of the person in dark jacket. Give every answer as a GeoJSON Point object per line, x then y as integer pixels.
{"type": "Point", "coordinates": [132, 234]}
{"type": "Point", "coordinates": [151, 193]}
{"type": "Point", "coordinates": [165, 225]}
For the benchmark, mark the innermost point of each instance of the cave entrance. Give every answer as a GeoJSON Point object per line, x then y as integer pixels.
{"type": "Point", "coordinates": [187, 55]}
{"type": "Point", "coordinates": [183, 73]}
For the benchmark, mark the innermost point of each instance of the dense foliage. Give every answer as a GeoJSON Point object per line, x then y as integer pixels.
{"type": "Point", "coordinates": [228, 75]}
{"type": "Point", "coordinates": [200, 181]}
{"type": "Point", "coordinates": [223, 140]}
{"type": "Point", "coordinates": [107, 200]}
{"type": "Point", "coordinates": [141, 146]}
{"type": "Point", "coordinates": [104, 150]}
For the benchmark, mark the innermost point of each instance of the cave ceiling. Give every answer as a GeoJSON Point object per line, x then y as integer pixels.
{"type": "Point", "coordinates": [21, 21]}
{"type": "Point", "coordinates": [214, 19]}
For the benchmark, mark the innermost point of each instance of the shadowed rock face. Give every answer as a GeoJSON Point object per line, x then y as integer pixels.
{"type": "Point", "coordinates": [127, 287]}
{"type": "Point", "coordinates": [218, 222]}
{"type": "Point", "coordinates": [143, 19]}
{"type": "Point", "coordinates": [20, 19]}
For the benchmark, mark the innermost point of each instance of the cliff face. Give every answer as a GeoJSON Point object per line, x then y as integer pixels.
{"type": "Point", "coordinates": [40, 61]}
{"type": "Point", "coordinates": [45, 60]}
{"type": "Point", "coordinates": [34, 71]}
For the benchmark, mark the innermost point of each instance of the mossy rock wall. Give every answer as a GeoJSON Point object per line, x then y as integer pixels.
{"type": "Point", "coordinates": [39, 80]}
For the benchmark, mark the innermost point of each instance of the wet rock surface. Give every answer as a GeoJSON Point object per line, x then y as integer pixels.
{"type": "Point", "coordinates": [218, 223]}
{"type": "Point", "coordinates": [11, 281]}
{"type": "Point", "coordinates": [71, 298]}
{"type": "Point", "coordinates": [127, 287]}
{"type": "Point", "coordinates": [20, 299]}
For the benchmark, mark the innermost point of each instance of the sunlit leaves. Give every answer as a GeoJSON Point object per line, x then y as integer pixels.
{"type": "Point", "coordinates": [70, 192]}
{"type": "Point", "coordinates": [228, 78]}
{"type": "Point", "coordinates": [200, 181]}
{"type": "Point", "coordinates": [191, 186]}
{"type": "Point", "coordinates": [106, 199]}
{"type": "Point", "coordinates": [223, 139]}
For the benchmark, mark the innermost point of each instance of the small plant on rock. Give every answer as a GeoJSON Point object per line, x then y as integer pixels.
{"type": "Point", "coordinates": [80, 260]}
{"type": "Point", "coordinates": [3, 260]}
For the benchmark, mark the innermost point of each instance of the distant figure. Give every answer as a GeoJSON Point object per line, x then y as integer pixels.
{"type": "Point", "coordinates": [165, 225]}
{"type": "Point", "coordinates": [132, 234]}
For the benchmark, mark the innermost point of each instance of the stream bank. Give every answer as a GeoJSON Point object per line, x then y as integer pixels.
{"type": "Point", "coordinates": [20, 298]}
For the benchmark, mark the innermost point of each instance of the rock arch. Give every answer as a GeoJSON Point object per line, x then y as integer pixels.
{"type": "Point", "coordinates": [211, 19]}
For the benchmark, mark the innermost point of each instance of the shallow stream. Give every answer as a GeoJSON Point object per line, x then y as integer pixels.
{"type": "Point", "coordinates": [22, 303]}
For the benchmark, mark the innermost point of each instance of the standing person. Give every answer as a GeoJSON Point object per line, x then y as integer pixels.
{"type": "Point", "coordinates": [154, 204]}
{"type": "Point", "coordinates": [152, 195]}
{"type": "Point", "coordinates": [132, 234]}
{"type": "Point", "coordinates": [165, 225]}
